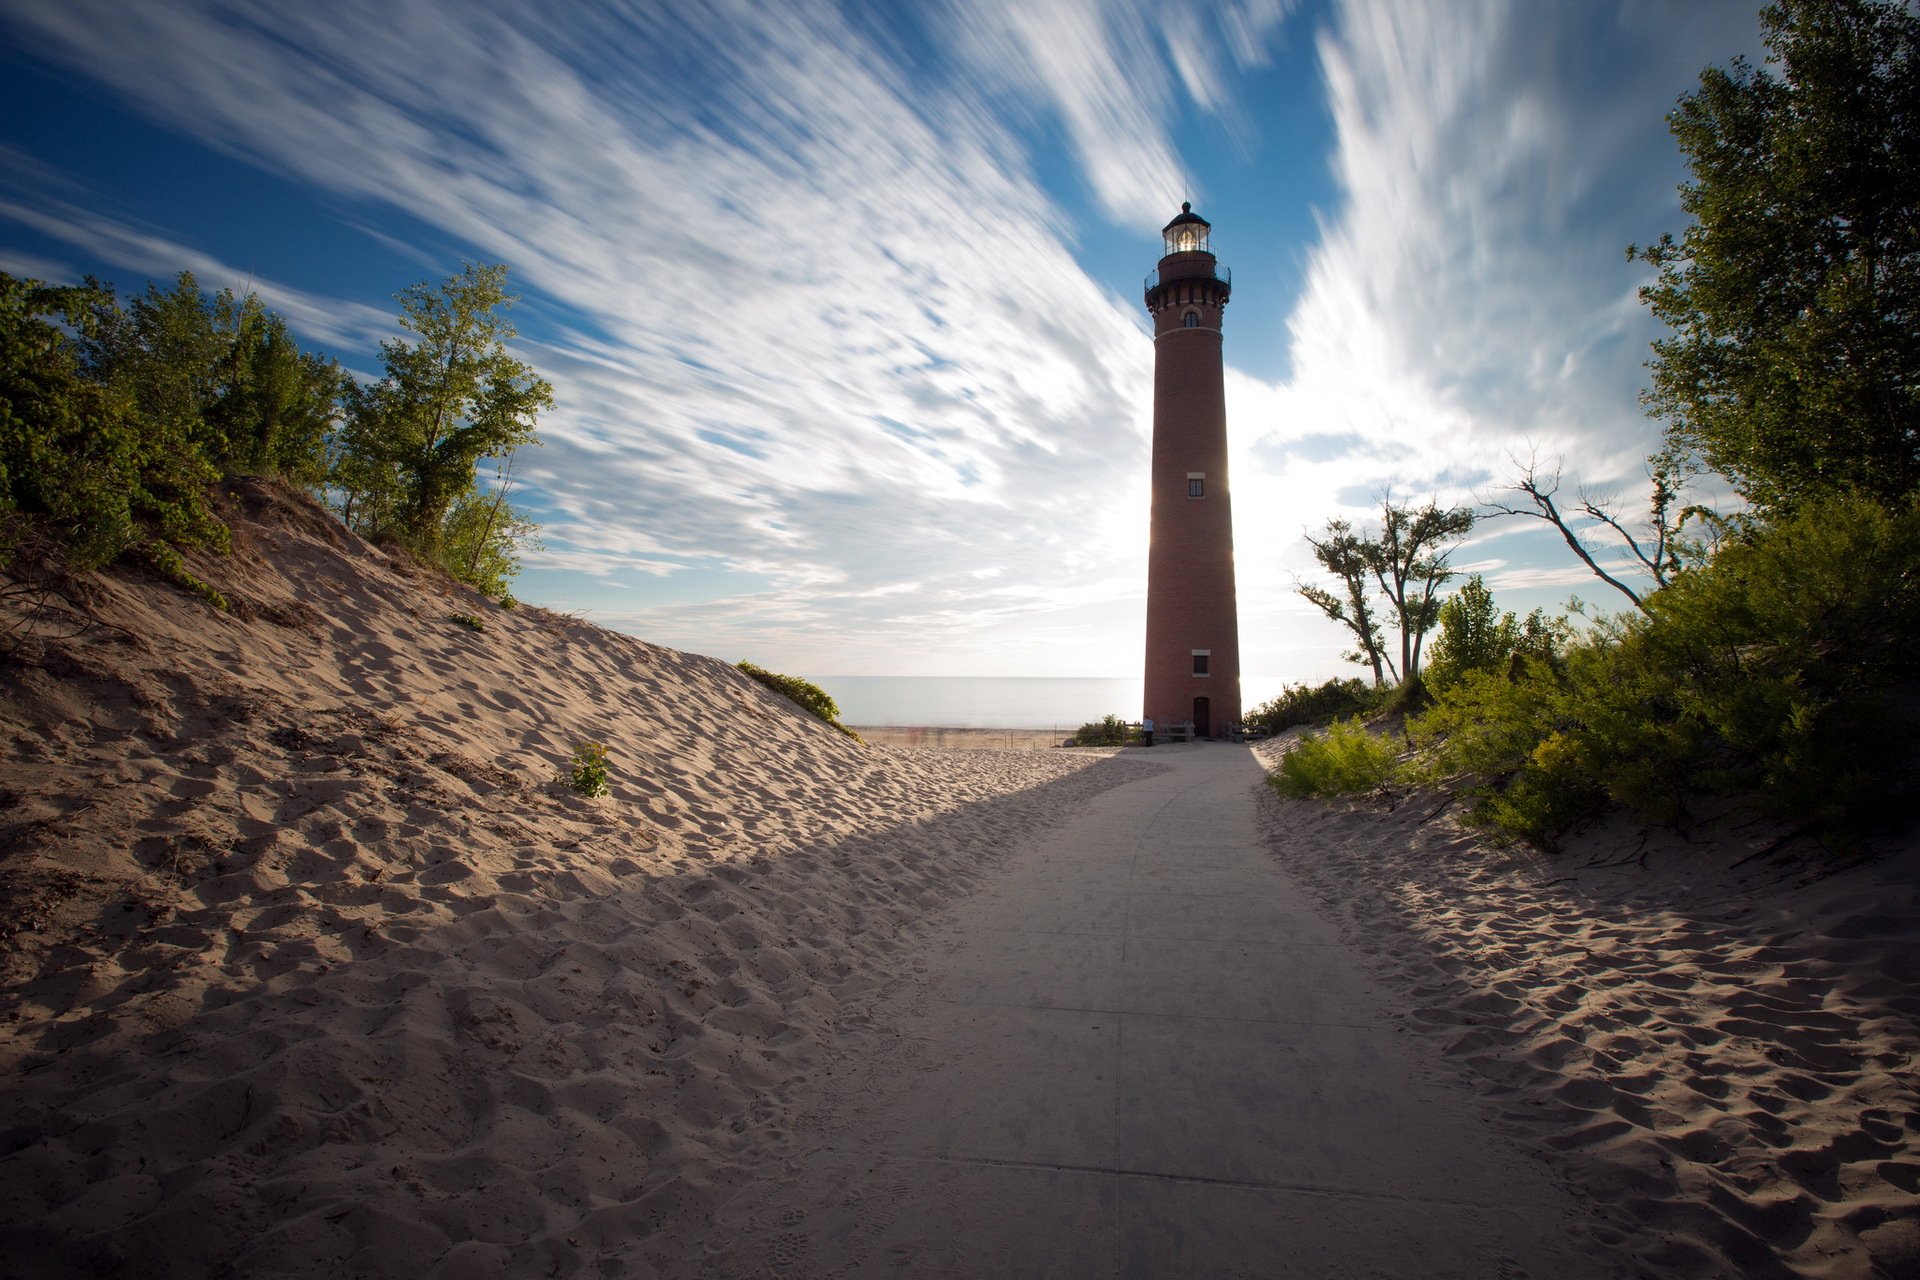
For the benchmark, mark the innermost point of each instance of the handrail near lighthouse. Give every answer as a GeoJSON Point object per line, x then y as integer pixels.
{"type": "Point", "coordinates": [1214, 272]}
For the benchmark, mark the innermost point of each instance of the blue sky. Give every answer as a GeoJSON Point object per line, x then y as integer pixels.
{"type": "Point", "coordinates": [841, 302]}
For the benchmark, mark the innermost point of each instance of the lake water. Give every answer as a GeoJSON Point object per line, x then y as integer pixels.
{"type": "Point", "coordinates": [993, 702]}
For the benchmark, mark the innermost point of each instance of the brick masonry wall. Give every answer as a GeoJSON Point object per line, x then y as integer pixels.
{"type": "Point", "coordinates": [1191, 602]}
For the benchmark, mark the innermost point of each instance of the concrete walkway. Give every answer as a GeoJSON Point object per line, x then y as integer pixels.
{"type": "Point", "coordinates": [1140, 1053]}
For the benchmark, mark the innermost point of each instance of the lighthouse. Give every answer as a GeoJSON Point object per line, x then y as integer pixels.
{"type": "Point", "coordinates": [1193, 627]}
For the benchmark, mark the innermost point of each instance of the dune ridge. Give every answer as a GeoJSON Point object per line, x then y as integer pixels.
{"type": "Point", "coordinates": [312, 968]}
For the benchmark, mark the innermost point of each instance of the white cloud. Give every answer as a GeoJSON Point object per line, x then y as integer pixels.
{"type": "Point", "coordinates": [816, 326]}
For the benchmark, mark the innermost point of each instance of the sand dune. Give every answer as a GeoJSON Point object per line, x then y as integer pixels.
{"type": "Point", "coordinates": [1721, 1048]}
{"type": "Point", "coordinates": [312, 969]}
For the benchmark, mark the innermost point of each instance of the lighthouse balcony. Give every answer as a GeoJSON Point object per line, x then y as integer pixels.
{"type": "Point", "coordinates": [1188, 269]}
{"type": "Point", "coordinates": [1167, 273]}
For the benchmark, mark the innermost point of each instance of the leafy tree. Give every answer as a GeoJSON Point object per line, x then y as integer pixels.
{"type": "Point", "coordinates": [112, 470]}
{"type": "Point", "coordinates": [1794, 296]}
{"type": "Point", "coordinates": [274, 405]}
{"type": "Point", "coordinates": [413, 439]}
{"type": "Point", "coordinates": [1475, 636]}
{"type": "Point", "coordinates": [1344, 554]}
{"type": "Point", "coordinates": [163, 353]}
{"type": "Point", "coordinates": [1406, 562]}
{"type": "Point", "coordinates": [1409, 562]}
{"type": "Point", "coordinates": [483, 536]}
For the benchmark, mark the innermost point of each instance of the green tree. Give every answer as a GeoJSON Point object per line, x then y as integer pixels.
{"type": "Point", "coordinates": [274, 406]}
{"type": "Point", "coordinates": [1344, 554]}
{"type": "Point", "coordinates": [1406, 562]}
{"type": "Point", "coordinates": [1409, 562]}
{"type": "Point", "coordinates": [1791, 366]}
{"type": "Point", "coordinates": [1475, 636]}
{"type": "Point", "coordinates": [413, 439]}
{"type": "Point", "coordinates": [163, 353]}
{"type": "Point", "coordinates": [484, 535]}
{"type": "Point", "coordinates": [111, 461]}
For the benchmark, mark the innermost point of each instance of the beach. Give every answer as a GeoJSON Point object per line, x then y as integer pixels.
{"type": "Point", "coordinates": [315, 965]}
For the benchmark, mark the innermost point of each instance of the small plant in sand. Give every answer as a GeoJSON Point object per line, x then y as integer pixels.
{"type": "Point", "coordinates": [468, 621]}
{"type": "Point", "coordinates": [588, 773]}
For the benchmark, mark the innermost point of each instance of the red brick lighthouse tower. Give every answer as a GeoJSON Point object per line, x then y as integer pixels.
{"type": "Point", "coordinates": [1193, 621]}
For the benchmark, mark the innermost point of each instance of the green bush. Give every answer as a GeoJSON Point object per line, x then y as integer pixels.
{"type": "Point", "coordinates": [1318, 704]}
{"type": "Point", "coordinates": [589, 772]}
{"type": "Point", "coordinates": [1108, 732]}
{"type": "Point", "coordinates": [808, 696]}
{"type": "Point", "coordinates": [1773, 673]}
{"type": "Point", "coordinates": [82, 452]}
{"type": "Point", "coordinates": [1345, 760]}
{"type": "Point", "coordinates": [1474, 636]}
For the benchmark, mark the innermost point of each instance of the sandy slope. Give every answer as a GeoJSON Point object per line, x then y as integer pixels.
{"type": "Point", "coordinates": [1726, 1056]}
{"type": "Point", "coordinates": [311, 968]}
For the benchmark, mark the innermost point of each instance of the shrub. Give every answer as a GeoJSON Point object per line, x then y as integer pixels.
{"type": "Point", "coordinates": [1110, 731]}
{"type": "Point", "coordinates": [808, 696]}
{"type": "Point", "coordinates": [1474, 636]}
{"type": "Point", "coordinates": [81, 453]}
{"type": "Point", "coordinates": [468, 621]}
{"type": "Point", "coordinates": [1766, 673]}
{"type": "Point", "coordinates": [1301, 704]}
{"type": "Point", "coordinates": [589, 772]}
{"type": "Point", "coordinates": [1345, 760]}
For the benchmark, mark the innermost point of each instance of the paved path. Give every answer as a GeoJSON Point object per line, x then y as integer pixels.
{"type": "Point", "coordinates": [1142, 1054]}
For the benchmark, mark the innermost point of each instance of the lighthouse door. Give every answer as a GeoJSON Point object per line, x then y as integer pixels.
{"type": "Point", "coordinates": [1202, 724]}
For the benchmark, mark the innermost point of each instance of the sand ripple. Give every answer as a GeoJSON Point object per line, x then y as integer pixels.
{"type": "Point", "coordinates": [310, 967]}
{"type": "Point", "coordinates": [1724, 1056]}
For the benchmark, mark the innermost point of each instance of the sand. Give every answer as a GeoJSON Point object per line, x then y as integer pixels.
{"type": "Point", "coordinates": [311, 968]}
{"type": "Point", "coordinates": [959, 739]}
{"type": "Point", "coordinates": [1715, 1033]}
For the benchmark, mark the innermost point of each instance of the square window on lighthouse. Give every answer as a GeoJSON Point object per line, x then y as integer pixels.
{"type": "Point", "coordinates": [1200, 657]}
{"type": "Point", "coordinates": [1196, 484]}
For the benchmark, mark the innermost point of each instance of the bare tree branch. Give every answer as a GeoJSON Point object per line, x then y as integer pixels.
{"type": "Point", "coordinates": [1541, 493]}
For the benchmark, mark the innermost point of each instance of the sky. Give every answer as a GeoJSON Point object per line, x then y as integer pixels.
{"type": "Point", "coordinates": [842, 302]}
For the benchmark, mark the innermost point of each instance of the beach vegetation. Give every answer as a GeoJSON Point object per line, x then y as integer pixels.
{"type": "Point", "coordinates": [1474, 636]}
{"type": "Point", "coordinates": [1109, 731]}
{"type": "Point", "coordinates": [1773, 674]}
{"type": "Point", "coordinates": [1767, 659]}
{"type": "Point", "coordinates": [84, 453]}
{"type": "Point", "coordinates": [590, 772]}
{"type": "Point", "coordinates": [1790, 365]}
{"type": "Point", "coordinates": [1343, 760]}
{"type": "Point", "coordinates": [1392, 573]}
{"type": "Point", "coordinates": [1298, 704]}
{"type": "Point", "coordinates": [411, 443]}
{"type": "Point", "coordinates": [469, 621]}
{"type": "Point", "coordinates": [804, 694]}
{"type": "Point", "coordinates": [116, 418]}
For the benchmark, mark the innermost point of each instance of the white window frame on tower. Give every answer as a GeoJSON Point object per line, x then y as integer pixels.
{"type": "Point", "coordinates": [1196, 484]}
